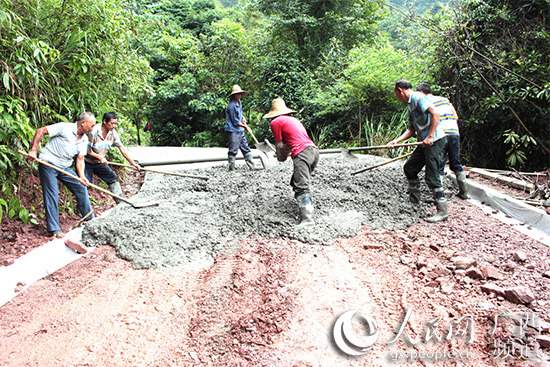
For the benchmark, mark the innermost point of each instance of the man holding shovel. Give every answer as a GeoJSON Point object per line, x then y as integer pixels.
{"type": "Point", "coordinates": [292, 139]}
{"type": "Point", "coordinates": [424, 123]}
{"type": "Point", "coordinates": [67, 140]}
{"type": "Point", "coordinates": [234, 127]}
{"type": "Point", "coordinates": [102, 138]}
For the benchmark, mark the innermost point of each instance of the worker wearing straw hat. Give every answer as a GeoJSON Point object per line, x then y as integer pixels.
{"type": "Point", "coordinates": [234, 127]}
{"type": "Point", "coordinates": [292, 139]}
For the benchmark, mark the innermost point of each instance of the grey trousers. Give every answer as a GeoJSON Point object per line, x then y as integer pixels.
{"type": "Point", "coordinates": [304, 164]}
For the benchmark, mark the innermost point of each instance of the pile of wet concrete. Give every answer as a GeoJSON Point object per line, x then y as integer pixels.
{"type": "Point", "coordinates": [197, 219]}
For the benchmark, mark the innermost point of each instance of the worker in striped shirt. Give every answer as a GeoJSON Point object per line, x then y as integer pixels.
{"type": "Point", "coordinates": [449, 123]}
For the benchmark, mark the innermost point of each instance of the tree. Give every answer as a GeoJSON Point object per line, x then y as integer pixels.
{"type": "Point", "coordinates": [494, 65]}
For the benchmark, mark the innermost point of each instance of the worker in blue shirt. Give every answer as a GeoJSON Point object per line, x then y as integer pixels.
{"type": "Point", "coordinates": [234, 127]}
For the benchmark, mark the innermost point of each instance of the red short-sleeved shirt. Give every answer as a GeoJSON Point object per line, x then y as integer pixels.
{"type": "Point", "coordinates": [290, 131]}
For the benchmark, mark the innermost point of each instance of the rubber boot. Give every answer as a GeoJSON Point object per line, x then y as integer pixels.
{"type": "Point", "coordinates": [445, 188]}
{"type": "Point", "coordinates": [414, 191]}
{"type": "Point", "coordinates": [231, 163]}
{"type": "Point", "coordinates": [441, 205]}
{"type": "Point", "coordinates": [249, 161]}
{"type": "Point", "coordinates": [116, 189]}
{"type": "Point", "coordinates": [462, 187]}
{"type": "Point", "coordinates": [305, 203]}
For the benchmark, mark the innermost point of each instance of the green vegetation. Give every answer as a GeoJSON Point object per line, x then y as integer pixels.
{"type": "Point", "coordinates": [493, 64]}
{"type": "Point", "coordinates": [334, 61]}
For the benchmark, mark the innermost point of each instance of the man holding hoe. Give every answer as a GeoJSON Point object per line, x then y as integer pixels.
{"type": "Point", "coordinates": [67, 141]}
{"type": "Point", "coordinates": [424, 123]}
{"type": "Point", "coordinates": [292, 139]}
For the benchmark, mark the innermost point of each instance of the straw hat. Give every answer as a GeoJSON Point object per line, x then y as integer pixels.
{"type": "Point", "coordinates": [278, 107]}
{"type": "Point", "coordinates": [237, 90]}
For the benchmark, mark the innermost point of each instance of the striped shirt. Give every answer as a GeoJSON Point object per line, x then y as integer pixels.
{"type": "Point", "coordinates": [447, 114]}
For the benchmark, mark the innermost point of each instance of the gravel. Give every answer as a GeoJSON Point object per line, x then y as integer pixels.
{"type": "Point", "coordinates": [197, 219]}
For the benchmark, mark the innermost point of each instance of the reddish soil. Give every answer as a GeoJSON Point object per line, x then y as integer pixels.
{"type": "Point", "coordinates": [17, 238]}
{"type": "Point", "coordinates": [272, 302]}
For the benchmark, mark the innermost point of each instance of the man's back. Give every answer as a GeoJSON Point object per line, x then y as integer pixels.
{"type": "Point", "coordinates": [289, 130]}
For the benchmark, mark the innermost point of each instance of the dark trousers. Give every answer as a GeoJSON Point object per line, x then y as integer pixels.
{"type": "Point", "coordinates": [453, 151]}
{"type": "Point", "coordinates": [429, 156]}
{"type": "Point", "coordinates": [304, 164]}
{"type": "Point", "coordinates": [237, 141]}
{"type": "Point", "coordinates": [50, 193]}
{"type": "Point", "coordinates": [101, 170]}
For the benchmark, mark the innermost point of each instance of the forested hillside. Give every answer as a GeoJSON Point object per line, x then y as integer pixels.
{"type": "Point", "coordinates": [335, 61]}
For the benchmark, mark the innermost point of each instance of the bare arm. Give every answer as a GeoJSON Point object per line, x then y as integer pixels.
{"type": "Point", "coordinates": [93, 154]}
{"type": "Point", "coordinates": [433, 126]}
{"type": "Point", "coordinates": [406, 135]}
{"type": "Point", "coordinates": [282, 151]}
{"type": "Point", "coordinates": [80, 169]}
{"type": "Point", "coordinates": [38, 135]}
{"type": "Point", "coordinates": [126, 155]}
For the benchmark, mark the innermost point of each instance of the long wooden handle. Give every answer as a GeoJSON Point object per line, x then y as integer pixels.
{"type": "Point", "coordinates": [98, 188]}
{"type": "Point", "coordinates": [162, 172]}
{"type": "Point", "coordinates": [382, 164]}
{"type": "Point", "coordinates": [252, 134]}
{"type": "Point", "coordinates": [385, 146]}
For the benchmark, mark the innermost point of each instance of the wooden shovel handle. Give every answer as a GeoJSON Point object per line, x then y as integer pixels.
{"type": "Point", "coordinates": [95, 187]}
{"type": "Point", "coordinates": [251, 134]}
{"type": "Point", "coordinates": [159, 171]}
{"type": "Point", "coordinates": [382, 164]}
{"type": "Point", "coordinates": [372, 147]}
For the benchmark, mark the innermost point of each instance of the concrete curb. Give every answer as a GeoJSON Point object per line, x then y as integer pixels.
{"type": "Point", "coordinates": [37, 264]}
{"type": "Point", "coordinates": [527, 219]}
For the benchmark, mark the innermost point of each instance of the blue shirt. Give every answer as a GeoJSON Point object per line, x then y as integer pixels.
{"type": "Point", "coordinates": [420, 119]}
{"type": "Point", "coordinates": [233, 117]}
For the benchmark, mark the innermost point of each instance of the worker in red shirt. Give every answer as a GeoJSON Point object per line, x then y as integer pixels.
{"type": "Point", "coordinates": [292, 139]}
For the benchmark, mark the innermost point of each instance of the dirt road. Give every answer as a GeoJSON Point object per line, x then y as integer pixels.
{"type": "Point", "coordinates": [273, 302]}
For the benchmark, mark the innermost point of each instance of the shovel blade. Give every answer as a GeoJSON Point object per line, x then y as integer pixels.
{"type": "Point", "coordinates": [143, 205]}
{"type": "Point", "coordinates": [263, 147]}
{"type": "Point", "coordinates": [346, 154]}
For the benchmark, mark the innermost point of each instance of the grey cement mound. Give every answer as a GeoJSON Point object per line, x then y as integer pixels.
{"type": "Point", "coordinates": [197, 219]}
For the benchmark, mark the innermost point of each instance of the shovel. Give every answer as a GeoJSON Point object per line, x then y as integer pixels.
{"type": "Point", "coordinates": [98, 188]}
{"type": "Point", "coordinates": [265, 147]}
{"type": "Point", "coordinates": [159, 171]}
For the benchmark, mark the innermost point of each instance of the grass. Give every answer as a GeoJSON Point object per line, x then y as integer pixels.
{"type": "Point", "coordinates": [381, 130]}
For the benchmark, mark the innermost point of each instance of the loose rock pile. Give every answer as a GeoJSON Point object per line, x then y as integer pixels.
{"type": "Point", "coordinates": [197, 219]}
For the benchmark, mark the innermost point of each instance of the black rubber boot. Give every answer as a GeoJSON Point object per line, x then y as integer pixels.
{"type": "Point", "coordinates": [116, 189]}
{"type": "Point", "coordinates": [249, 161]}
{"type": "Point", "coordinates": [414, 191]}
{"type": "Point", "coordinates": [462, 186]}
{"type": "Point", "coordinates": [441, 214]}
{"type": "Point", "coordinates": [441, 205]}
{"type": "Point", "coordinates": [231, 163]}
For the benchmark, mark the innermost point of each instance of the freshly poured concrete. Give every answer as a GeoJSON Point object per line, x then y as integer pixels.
{"type": "Point", "coordinates": [197, 219]}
